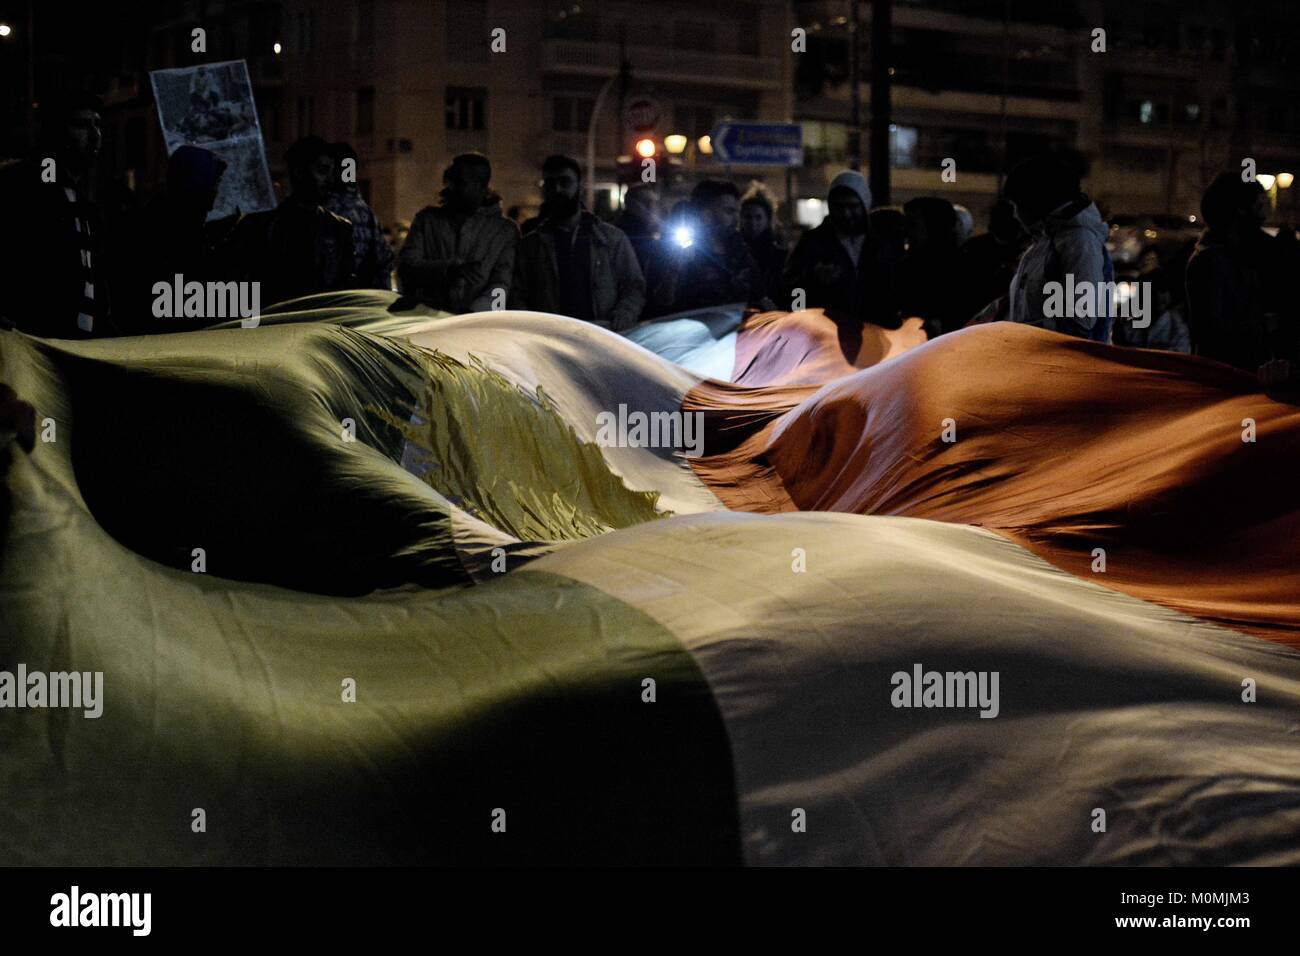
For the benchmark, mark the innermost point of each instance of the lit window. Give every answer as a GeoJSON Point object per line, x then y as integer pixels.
{"type": "Point", "coordinates": [902, 146]}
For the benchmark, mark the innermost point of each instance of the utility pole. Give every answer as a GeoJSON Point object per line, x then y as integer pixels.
{"type": "Point", "coordinates": [624, 85]}
{"type": "Point", "coordinates": [624, 80]}
{"type": "Point", "coordinates": [1006, 84]}
{"type": "Point", "coordinates": [882, 23]}
{"type": "Point", "coordinates": [855, 88]}
{"type": "Point", "coordinates": [31, 75]}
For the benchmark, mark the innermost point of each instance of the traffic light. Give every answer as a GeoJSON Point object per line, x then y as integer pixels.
{"type": "Point", "coordinates": [632, 164]}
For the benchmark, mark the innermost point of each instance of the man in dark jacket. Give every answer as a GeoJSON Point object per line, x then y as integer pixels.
{"type": "Point", "coordinates": [372, 255]}
{"type": "Point", "coordinates": [709, 263]}
{"type": "Point", "coordinates": [573, 263]}
{"type": "Point", "coordinates": [640, 222]}
{"type": "Point", "coordinates": [460, 256]}
{"type": "Point", "coordinates": [52, 236]}
{"type": "Point", "coordinates": [991, 257]}
{"type": "Point", "coordinates": [833, 265]}
{"type": "Point", "coordinates": [1224, 286]}
{"type": "Point", "coordinates": [300, 248]}
{"type": "Point", "coordinates": [930, 281]}
{"type": "Point", "coordinates": [169, 237]}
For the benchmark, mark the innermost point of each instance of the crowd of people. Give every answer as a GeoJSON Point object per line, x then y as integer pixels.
{"type": "Point", "coordinates": [1233, 295]}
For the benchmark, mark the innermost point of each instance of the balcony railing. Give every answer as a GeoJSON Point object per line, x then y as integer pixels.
{"type": "Point", "coordinates": [661, 63]}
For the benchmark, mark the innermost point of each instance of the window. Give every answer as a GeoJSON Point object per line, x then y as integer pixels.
{"type": "Point", "coordinates": [571, 114]}
{"type": "Point", "coordinates": [365, 111]}
{"type": "Point", "coordinates": [1136, 158]}
{"type": "Point", "coordinates": [571, 20]}
{"type": "Point", "coordinates": [695, 35]}
{"type": "Point", "coordinates": [465, 107]}
{"type": "Point", "coordinates": [902, 146]}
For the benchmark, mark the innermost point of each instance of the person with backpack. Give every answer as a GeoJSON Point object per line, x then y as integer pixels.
{"type": "Point", "coordinates": [1068, 238]}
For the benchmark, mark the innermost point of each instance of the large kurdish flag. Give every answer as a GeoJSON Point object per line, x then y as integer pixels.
{"type": "Point", "coordinates": [372, 587]}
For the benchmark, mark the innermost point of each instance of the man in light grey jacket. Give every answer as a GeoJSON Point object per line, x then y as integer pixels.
{"type": "Point", "coordinates": [1068, 240]}
{"type": "Point", "coordinates": [460, 256]}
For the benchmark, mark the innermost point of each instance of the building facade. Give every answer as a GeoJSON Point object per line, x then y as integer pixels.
{"type": "Point", "coordinates": [1165, 97]}
{"type": "Point", "coordinates": [1180, 91]}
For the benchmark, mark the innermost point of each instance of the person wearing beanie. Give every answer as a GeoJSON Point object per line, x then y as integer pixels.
{"type": "Point", "coordinates": [833, 266]}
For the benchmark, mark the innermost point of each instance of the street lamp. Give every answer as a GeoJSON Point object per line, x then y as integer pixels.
{"type": "Point", "coordinates": [675, 143]}
{"type": "Point", "coordinates": [1284, 180]}
{"type": "Point", "coordinates": [645, 148]}
{"type": "Point", "coordinates": [5, 29]}
{"type": "Point", "coordinates": [1266, 180]}
{"type": "Point", "coordinates": [705, 145]}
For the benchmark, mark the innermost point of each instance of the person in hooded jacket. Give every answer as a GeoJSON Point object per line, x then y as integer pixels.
{"type": "Point", "coordinates": [834, 265]}
{"type": "Point", "coordinates": [460, 256]}
{"type": "Point", "coordinates": [1225, 288]}
{"type": "Point", "coordinates": [170, 237]}
{"type": "Point", "coordinates": [1068, 239]}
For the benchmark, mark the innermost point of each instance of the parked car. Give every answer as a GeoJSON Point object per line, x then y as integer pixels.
{"type": "Point", "coordinates": [1134, 238]}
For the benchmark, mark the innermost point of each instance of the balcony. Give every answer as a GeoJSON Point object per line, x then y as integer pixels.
{"type": "Point", "coordinates": [662, 65]}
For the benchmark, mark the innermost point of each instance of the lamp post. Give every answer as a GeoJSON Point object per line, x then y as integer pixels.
{"type": "Point", "coordinates": [591, 140]}
{"type": "Point", "coordinates": [1283, 181]}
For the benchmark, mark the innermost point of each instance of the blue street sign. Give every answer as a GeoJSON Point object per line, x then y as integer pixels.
{"type": "Point", "coordinates": [758, 144]}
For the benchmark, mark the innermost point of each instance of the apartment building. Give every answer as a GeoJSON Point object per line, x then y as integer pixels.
{"type": "Point", "coordinates": [1179, 92]}
{"type": "Point", "coordinates": [968, 84]}
{"type": "Point", "coordinates": [1187, 90]}
{"type": "Point", "coordinates": [414, 82]}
